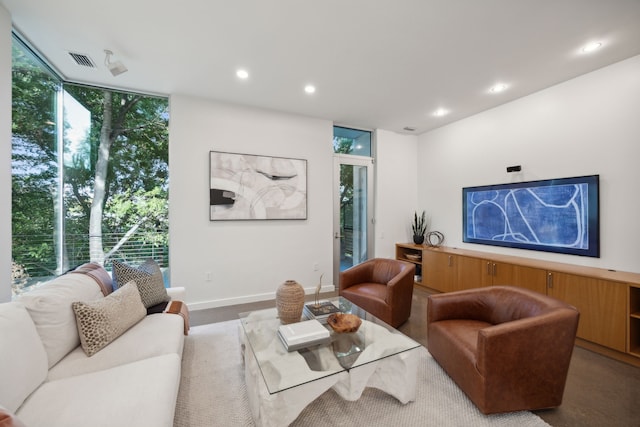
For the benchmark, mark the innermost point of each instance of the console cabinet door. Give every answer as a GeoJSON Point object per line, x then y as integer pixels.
{"type": "Point", "coordinates": [472, 273]}
{"type": "Point", "coordinates": [531, 278]}
{"type": "Point", "coordinates": [478, 272]}
{"type": "Point", "coordinates": [446, 273]}
{"type": "Point", "coordinates": [438, 270]}
{"type": "Point", "coordinates": [601, 303]}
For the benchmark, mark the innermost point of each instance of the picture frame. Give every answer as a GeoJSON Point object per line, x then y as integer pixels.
{"type": "Point", "coordinates": [553, 215]}
{"type": "Point", "coordinates": [256, 187]}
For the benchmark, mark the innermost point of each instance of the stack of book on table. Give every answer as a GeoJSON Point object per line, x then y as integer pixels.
{"type": "Point", "coordinates": [320, 311]}
{"type": "Point", "coordinates": [299, 335]}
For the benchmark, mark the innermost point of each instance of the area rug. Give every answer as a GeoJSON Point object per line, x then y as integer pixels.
{"type": "Point", "coordinates": [213, 393]}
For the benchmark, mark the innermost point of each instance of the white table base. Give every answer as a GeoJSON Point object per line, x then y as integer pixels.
{"type": "Point", "coordinates": [395, 375]}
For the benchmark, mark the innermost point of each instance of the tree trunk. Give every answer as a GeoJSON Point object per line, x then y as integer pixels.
{"type": "Point", "coordinates": [125, 238]}
{"type": "Point", "coordinates": [96, 248]}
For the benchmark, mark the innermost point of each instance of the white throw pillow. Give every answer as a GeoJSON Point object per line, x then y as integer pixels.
{"type": "Point", "coordinates": [23, 360]}
{"type": "Point", "coordinates": [50, 308]}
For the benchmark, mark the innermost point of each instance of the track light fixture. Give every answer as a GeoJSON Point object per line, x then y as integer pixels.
{"type": "Point", "coordinates": [117, 67]}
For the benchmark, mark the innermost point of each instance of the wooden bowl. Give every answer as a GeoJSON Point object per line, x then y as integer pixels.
{"type": "Point", "coordinates": [344, 322]}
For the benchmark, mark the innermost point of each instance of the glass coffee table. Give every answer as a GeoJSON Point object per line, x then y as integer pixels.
{"type": "Point", "coordinates": [280, 384]}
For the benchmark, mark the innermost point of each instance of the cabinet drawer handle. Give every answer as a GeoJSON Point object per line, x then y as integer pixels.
{"type": "Point", "coordinates": [550, 280]}
{"type": "Point", "coordinates": [449, 260]}
{"type": "Point", "coordinates": [495, 269]}
{"type": "Point", "coordinates": [488, 269]}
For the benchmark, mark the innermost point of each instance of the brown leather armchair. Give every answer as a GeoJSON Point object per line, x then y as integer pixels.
{"type": "Point", "coordinates": [507, 348]}
{"type": "Point", "coordinates": [381, 286]}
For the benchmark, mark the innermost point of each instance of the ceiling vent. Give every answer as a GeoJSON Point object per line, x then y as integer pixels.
{"type": "Point", "coordinates": [82, 60]}
{"type": "Point", "coordinates": [409, 129]}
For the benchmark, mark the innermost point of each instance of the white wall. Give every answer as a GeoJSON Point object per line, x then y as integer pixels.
{"type": "Point", "coordinates": [5, 155]}
{"type": "Point", "coordinates": [248, 260]}
{"type": "Point", "coordinates": [396, 190]}
{"type": "Point", "coordinates": [588, 125]}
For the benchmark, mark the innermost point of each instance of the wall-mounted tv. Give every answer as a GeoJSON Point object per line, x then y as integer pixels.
{"type": "Point", "coordinates": [553, 215]}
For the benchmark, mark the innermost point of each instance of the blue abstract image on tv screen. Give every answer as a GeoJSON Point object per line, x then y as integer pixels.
{"type": "Point", "coordinates": [559, 215]}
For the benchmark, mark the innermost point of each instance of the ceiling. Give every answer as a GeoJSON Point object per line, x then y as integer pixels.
{"type": "Point", "coordinates": [374, 63]}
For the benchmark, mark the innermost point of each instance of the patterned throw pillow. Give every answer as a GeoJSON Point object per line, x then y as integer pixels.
{"type": "Point", "coordinates": [147, 276]}
{"type": "Point", "coordinates": [102, 321]}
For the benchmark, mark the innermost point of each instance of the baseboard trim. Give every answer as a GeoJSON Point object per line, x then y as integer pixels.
{"type": "Point", "coordinates": [604, 351]}
{"type": "Point", "coordinates": [223, 302]}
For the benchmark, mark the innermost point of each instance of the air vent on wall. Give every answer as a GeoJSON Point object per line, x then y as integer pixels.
{"type": "Point", "coordinates": [82, 60]}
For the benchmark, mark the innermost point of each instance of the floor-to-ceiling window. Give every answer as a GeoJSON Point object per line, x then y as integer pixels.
{"type": "Point", "coordinates": [89, 174]}
{"type": "Point", "coordinates": [353, 195]}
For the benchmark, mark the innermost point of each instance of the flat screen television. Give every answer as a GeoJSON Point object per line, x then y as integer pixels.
{"type": "Point", "coordinates": [552, 215]}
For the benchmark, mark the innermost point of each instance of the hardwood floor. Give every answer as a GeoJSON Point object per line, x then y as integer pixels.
{"type": "Point", "coordinates": [599, 392]}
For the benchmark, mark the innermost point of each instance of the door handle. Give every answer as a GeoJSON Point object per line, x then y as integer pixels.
{"type": "Point", "coordinates": [337, 236]}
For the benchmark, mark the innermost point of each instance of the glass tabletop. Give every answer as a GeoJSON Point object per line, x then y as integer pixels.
{"type": "Point", "coordinates": [283, 370]}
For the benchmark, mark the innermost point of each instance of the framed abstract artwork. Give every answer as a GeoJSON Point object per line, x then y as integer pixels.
{"type": "Point", "coordinates": [554, 215]}
{"type": "Point", "coordinates": [251, 187]}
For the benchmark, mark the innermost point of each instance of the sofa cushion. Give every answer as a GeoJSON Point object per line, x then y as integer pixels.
{"type": "Point", "coordinates": [8, 419]}
{"type": "Point", "coordinates": [23, 360]}
{"type": "Point", "coordinates": [140, 394]}
{"type": "Point", "coordinates": [147, 276]}
{"type": "Point", "coordinates": [100, 322]}
{"type": "Point", "coordinates": [49, 306]}
{"type": "Point", "coordinates": [154, 335]}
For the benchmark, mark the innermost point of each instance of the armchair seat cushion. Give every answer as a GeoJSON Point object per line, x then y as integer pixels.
{"type": "Point", "coordinates": [370, 296]}
{"type": "Point", "coordinates": [374, 291]}
{"type": "Point", "coordinates": [464, 333]}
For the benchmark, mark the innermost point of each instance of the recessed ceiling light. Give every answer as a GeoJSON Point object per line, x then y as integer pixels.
{"type": "Point", "coordinates": [440, 112]}
{"type": "Point", "coordinates": [310, 89]}
{"type": "Point", "coordinates": [242, 74]}
{"type": "Point", "coordinates": [591, 47]}
{"type": "Point", "coordinates": [500, 87]}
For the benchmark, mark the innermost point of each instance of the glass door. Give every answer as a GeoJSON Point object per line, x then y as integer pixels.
{"type": "Point", "coordinates": [353, 212]}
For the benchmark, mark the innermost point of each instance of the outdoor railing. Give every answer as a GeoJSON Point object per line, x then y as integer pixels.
{"type": "Point", "coordinates": [39, 262]}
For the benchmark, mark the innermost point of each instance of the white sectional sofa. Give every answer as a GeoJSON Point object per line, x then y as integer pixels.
{"type": "Point", "coordinates": [49, 381]}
